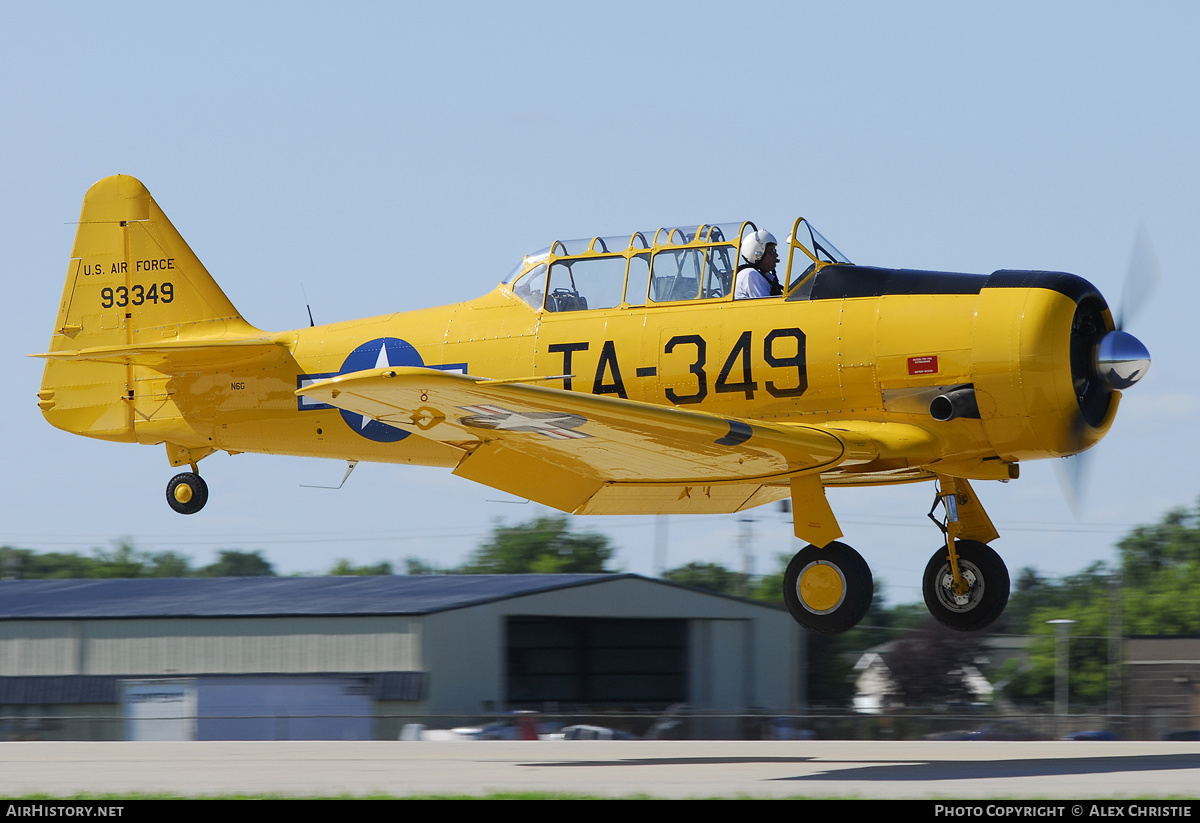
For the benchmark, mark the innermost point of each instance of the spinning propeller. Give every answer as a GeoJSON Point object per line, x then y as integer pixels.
{"type": "Point", "coordinates": [1104, 361]}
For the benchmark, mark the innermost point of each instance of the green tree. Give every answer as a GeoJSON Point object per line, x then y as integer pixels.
{"type": "Point", "coordinates": [123, 560]}
{"type": "Point", "coordinates": [26, 564]}
{"type": "Point", "coordinates": [1169, 606]}
{"type": "Point", "coordinates": [543, 546]}
{"type": "Point", "coordinates": [234, 563]}
{"type": "Point", "coordinates": [344, 567]}
{"type": "Point", "coordinates": [769, 588]}
{"type": "Point", "coordinates": [710, 576]}
{"type": "Point", "coordinates": [1168, 546]}
{"type": "Point", "coordinates": [1160, 570]}
{"type": "Point", "coordinates": [168, 564]}
{"type": "Point", "coordinates": [415, 565]}
{"type": "Point", "coordinates": [1087, 599]}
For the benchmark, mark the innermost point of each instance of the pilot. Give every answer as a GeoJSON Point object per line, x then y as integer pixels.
{"type": "Point", "coordinates": [756, 275]}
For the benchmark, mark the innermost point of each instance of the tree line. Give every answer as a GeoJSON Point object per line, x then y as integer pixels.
{"type": "Point", "coordinates": [545, 545]}
{"type": "Point", "coordinates": [124, 560]}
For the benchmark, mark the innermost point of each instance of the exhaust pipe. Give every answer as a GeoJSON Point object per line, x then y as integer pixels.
{"type": "Point", "coordinates": [958, 402]}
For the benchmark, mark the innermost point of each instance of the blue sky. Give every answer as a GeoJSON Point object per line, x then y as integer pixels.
{"type": "Point", "coordinates": [336, 154]}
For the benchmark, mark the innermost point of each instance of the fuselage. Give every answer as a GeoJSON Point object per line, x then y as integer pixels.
{"type": "Point", "coordinates": [857, 345]}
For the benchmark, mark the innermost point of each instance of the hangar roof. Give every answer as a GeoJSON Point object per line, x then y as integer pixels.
{"type": "Point", "coordinates": [272, 596]}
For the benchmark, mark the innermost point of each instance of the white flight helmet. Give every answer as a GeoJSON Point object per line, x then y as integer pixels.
{"type": "Point", "coordinates": [754, 246]}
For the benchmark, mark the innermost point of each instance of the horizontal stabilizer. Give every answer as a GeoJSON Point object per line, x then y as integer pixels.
{"type": "Point", "coordinates": [180, 355]}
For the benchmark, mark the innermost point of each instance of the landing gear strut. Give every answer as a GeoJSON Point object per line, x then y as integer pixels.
{"type": "Point", "coordinates": [966, 583]}
{"type": "Point", "coordinates": [828, 590]}
{"type": "Point", "coordinates": [187, 493]}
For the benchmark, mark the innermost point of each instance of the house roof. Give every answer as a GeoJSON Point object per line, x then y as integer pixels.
{"type": "Point", "coordinates": [273, 596]}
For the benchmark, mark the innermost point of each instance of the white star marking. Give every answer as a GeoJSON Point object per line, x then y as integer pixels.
{"type": "Point", "coordinates": [381, 362]}
{"type": "Point", "coordinates": [555, 426]}
{"type": "Point", "coordinates": [517, 420]}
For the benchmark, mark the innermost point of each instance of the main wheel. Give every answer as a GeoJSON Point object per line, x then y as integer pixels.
{"type": "Point", "coordinates": [987, 592]}
{"type": "Point", "coordinates": [187, 493]}
{"type": "Point", "coordinates": [828, 590]}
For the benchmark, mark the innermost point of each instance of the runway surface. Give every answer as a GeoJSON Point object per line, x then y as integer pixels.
{"type": "Point", "coordinates": [669, 769]}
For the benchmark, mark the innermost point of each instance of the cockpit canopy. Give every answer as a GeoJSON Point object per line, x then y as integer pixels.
{"type": "Point", "coordinates": [666, 265]}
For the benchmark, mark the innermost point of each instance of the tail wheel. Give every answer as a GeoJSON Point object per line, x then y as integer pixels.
{"type": "Point", "coordinates": [187, 493]}
{"type": "Point", "coordinates": [987, 587]}
{"type": "Point", "coordinates": [828, 590]}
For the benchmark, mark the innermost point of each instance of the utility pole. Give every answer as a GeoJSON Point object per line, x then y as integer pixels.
{"type": "Point", "coordinates": [1116, 630]}
{"type": "Point", "coordinates": [746, 545]}
{"type": "Point", "coordinates": [660, 545]}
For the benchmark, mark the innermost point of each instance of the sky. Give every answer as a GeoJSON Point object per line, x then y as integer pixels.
{"type": "Point", "coordinates": [375, 157]}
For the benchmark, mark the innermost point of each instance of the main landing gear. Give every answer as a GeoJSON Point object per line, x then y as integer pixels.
{"type": "Point", "coordinates": [965, 585]}
{"type": "Point", "coordinates": [980, 601]}
{"type": "Point", "coordinates": [828, 589]}
{"type": "Point", "coordinates": [187, 493]}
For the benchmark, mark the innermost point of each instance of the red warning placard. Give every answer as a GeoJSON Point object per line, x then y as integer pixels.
{"type": "Point", "coordinates": [923, 365]}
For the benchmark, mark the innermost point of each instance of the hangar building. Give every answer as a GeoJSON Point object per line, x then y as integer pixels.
{"type": "Point", "coordinates": [355, 657]}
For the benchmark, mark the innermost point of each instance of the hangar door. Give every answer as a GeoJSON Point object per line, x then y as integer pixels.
{"type": "Point", "coordinates": [579, 660]}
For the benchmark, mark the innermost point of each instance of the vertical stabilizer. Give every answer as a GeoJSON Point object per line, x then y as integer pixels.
{"type": "Point", "coordinates": [131, 280]}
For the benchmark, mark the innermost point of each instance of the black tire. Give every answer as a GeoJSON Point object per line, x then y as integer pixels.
{"type": "Point", "coordinates": [838, 595]}
{"type": "Point", "coordinates": [988, 593]}
{"type": "Point", "coordinates": [194, 492]}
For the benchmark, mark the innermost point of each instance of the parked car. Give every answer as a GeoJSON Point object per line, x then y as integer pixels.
{"type": "Point", "coordinates": [585, 732]}
{"type": "Point", "coordinates": [1097, 734]}
{"type": "Point", "coordinates": [1000, 730]}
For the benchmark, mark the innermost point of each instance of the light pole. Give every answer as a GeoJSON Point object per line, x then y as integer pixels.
{"type": "Point", "coordinates": [1062, 645]}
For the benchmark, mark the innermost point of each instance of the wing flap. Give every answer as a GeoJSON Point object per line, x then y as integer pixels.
{"type": "Point", "coordinates": [664, 498]}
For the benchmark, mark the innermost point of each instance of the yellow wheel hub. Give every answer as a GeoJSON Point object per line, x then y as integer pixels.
{"type": "Point", "coordinates": [183, 493]}
{"type": "Point", "coordinates": [821, 587]}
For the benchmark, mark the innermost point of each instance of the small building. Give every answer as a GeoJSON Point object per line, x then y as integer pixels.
{"type": "Point", "coordinates": [262, 658]}
{"type": "Point", "coordinates": [1162, 687]}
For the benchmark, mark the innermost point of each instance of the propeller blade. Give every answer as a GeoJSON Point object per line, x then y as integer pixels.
{"type": "Point", "coordinates": [1118, 360]}
{"type": "Point", "coordinates": [1141, 277]}
{"type": "Point", "coordinates": [1073, 474]}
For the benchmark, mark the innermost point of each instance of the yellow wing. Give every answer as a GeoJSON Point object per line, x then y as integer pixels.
{"type": "Point", "coordinates": [586, 453]}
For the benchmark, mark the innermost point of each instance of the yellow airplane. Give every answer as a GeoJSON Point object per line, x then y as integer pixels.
{"type": "Point", "coordinates": [619, 375]}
